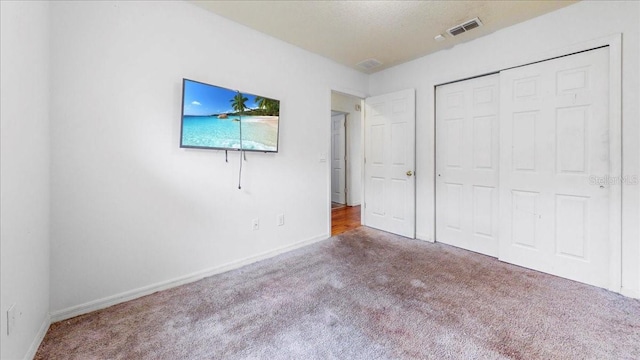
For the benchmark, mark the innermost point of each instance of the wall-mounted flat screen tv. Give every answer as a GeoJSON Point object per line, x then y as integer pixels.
{"type": "Point", "coordinates": [217, 118]}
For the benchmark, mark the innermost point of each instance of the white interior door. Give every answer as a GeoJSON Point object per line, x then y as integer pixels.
{"type": "Point", "coordinates": [338, 159]}
{"type": "Point", "coordinates": [554, 130]}
{"type": "Point", "coordinates": [390, 163]}
{"type": "Point", "coordinates": [467, 159]}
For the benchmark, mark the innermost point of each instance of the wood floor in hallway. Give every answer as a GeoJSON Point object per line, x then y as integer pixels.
{"type": "Point", "coordinates": [344, 219]}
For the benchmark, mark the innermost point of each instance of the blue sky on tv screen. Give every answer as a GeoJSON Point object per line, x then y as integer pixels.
{"type": "Point", "coordinates": [202, 99]}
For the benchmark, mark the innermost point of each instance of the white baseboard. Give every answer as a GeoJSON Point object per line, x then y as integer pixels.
{"type": "Point", "coordinates": [150, 289]}
{"type": "Point", "coordinates": [33, 349]}
{"type": "Point", "coordinates": [630, 293]}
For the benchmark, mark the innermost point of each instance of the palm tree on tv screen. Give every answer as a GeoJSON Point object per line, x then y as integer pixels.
{"type": "Point", "coordinates": [271, 107]}
{"type": "Point", "coordinates": [239, 105]}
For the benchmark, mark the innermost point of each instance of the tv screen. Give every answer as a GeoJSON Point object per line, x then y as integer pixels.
{"type": "Point", "coordinates": [217, 118]}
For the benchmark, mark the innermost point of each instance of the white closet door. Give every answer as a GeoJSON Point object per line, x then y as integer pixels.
{"type": "Point", "coordinates": [338, 159]}
{"type": "Point", "coordinates": [389, 196]}
{"type": "Point", "coordinates": [467, 162]}
{"type": "Point", "coordinates": [554, 130]}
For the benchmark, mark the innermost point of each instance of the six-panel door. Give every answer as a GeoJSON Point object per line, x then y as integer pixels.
{"type": "Point", "coordinates": [554, 147]}
{"type": "Point", "coordinates": [467, 164]}
{"type": "Point", "coordinates": [390, 163]}
{"type": "Point", "coordinates": [338, 159]}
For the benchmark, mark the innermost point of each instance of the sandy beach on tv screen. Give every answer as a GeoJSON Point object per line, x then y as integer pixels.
{"type": "Point", "coordinates": [269, 120]}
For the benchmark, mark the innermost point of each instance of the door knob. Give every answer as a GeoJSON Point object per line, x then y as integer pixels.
{"type": "Point", "coordinates": [409, 173]}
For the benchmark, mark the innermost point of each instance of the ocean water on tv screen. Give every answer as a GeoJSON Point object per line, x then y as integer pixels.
{"type": "Point", "coordinates": [258, 132]}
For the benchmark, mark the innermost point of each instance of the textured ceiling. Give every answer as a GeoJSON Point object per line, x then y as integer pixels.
{"type": "Point", "coordinates": [392, 32]}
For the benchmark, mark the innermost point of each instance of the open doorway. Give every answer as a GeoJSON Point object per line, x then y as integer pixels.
{"type": "Point", "coordinates": [346, 162]}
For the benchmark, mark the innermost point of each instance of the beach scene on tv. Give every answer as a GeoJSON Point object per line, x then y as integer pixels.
{"type": "Point", "coordinates": [214, 117]}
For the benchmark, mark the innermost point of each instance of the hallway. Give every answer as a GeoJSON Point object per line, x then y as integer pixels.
{"type": "Point", "coordinates": [344, 219]}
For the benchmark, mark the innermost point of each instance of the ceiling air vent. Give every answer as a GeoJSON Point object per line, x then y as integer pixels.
{"type": "Point", "coordinates": [462, 28]}
{"type": "Point", "coordinates": [369, 64]}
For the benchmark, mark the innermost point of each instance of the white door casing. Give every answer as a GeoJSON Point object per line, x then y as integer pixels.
{"type": "Point", "coordinates": [389, 202]}
{"type": "Point", "coordinates": [467, 164]}
{"type": "Point", "coordinates": [338, 159]}
{"type": "Point", "coordinates": [554, 146]}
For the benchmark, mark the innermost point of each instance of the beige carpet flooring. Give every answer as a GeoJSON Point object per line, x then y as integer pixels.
{"type": "Point", "coordinates": [364, 294]}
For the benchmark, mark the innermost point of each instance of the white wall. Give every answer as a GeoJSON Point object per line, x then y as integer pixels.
{"type": "Point", "coordinates": [347, 104]}
{"type": "Point", "coordinates": [131, 210]}
{"type": "Point", "coordinates": [24, 175]}
{"type": "Point", "coordinates": [574, 24]}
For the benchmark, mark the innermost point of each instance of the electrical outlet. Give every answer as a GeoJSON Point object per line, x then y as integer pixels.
{"type": "Point", "coordinates": [11, 319]}
{"type": "Point", "coordinates": [256, 224]}
{"type": "Point", "coordinates": [280, 219]}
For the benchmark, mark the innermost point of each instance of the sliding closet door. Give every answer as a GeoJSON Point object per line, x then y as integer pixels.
{"type": "Point", "coordinates": [467, 164]}
{"type": "Point", "coordinates": [554, 129]}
